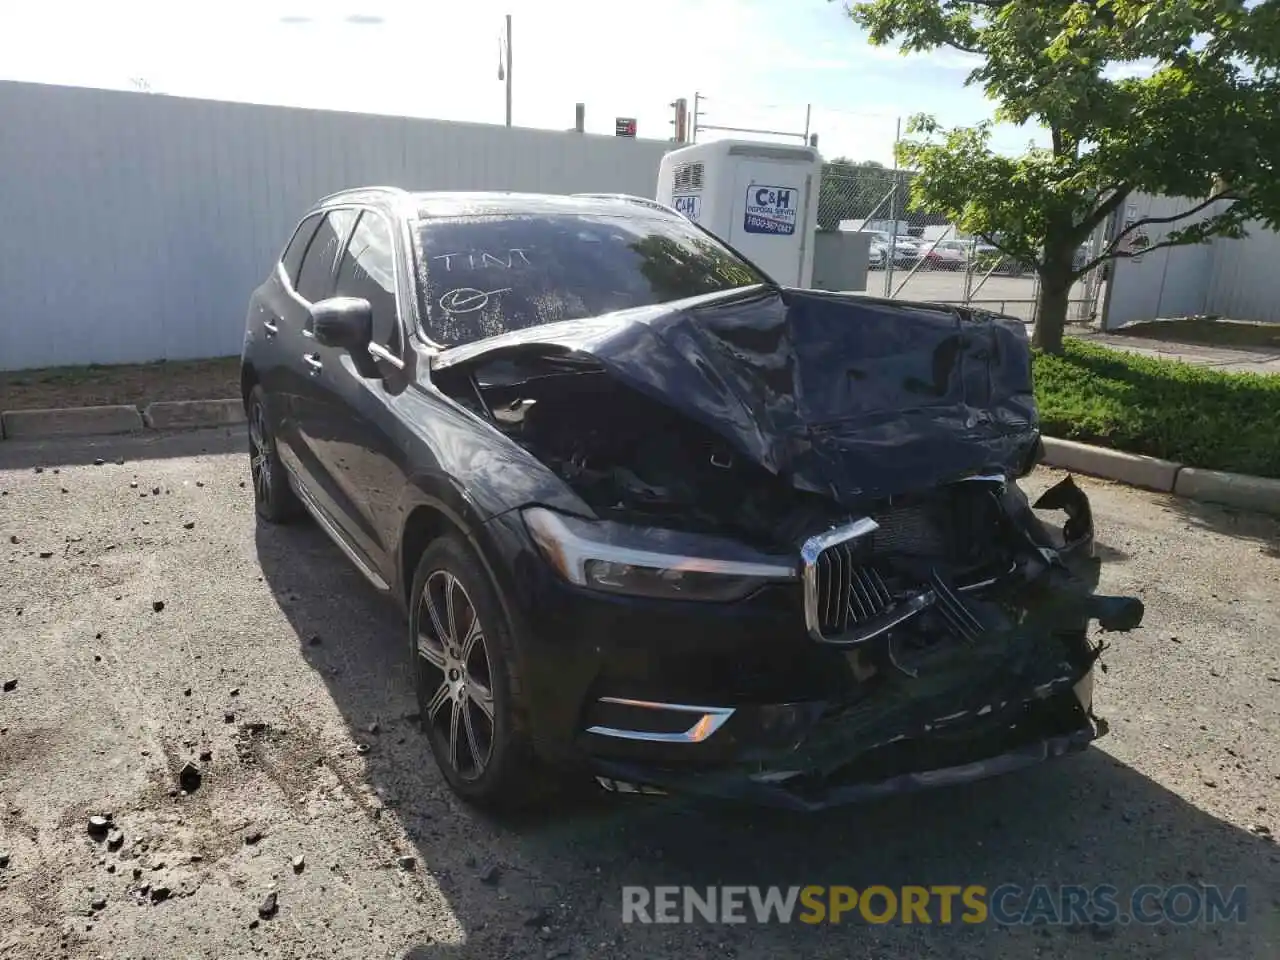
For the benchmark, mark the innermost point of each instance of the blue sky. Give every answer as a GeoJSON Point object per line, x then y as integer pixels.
{"type": "Point", "coordinates": [757, 61]}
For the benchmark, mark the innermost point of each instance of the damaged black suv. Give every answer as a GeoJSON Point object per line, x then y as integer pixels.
{"type": "Point", "coordinates": [654, 516]}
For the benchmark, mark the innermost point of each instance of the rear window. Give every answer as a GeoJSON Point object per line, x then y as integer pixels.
{"type": "Point", "coordinates": [487, 275]}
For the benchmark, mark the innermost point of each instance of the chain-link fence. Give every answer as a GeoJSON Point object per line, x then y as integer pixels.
{"type": "Point", "coordinates": [920, 256]}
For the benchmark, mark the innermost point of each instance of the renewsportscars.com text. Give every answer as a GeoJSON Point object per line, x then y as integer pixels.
{"type": "Point", "coordinates": [1007, 904]}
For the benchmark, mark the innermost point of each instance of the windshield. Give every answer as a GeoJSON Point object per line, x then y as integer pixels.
{"type": "Point", "coordinates": [487, 275]}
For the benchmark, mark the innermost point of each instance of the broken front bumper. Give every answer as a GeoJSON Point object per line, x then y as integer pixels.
{"type": "Point", "coordinates": [967, 711]}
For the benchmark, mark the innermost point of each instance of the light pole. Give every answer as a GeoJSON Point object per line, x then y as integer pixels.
{"type": "Point", "coordinates": [504, 65]}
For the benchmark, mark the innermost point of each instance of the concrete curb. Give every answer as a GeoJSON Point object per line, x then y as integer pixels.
{"type": "Point", "coordinates": [70, 422]}
{"type": "Point", "coordinates": [1131, 468]}
{"type": "Point", "coordinates": [1233, 489]}
{"type": "Point", "coordinates": [1163, 476]}
{"type": "Point", "coordinates": [1239, 490]}
{"type": "Point", "coordinates": [192, 414]}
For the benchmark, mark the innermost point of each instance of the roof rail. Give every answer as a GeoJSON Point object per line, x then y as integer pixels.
{"type": "Point", "coordinates": [643, 201]}
{"type": "Point", "coordinates": [397, 191]}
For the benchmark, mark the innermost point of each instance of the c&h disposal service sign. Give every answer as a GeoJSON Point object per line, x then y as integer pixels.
{"type": "Point", "coordinates": [771, 209]}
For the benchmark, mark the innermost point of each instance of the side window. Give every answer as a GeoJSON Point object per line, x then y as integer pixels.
{"type": "Point", "coordinates": [368, 271]}
{"type": "Point", "coordinates": [317, 266]}
{"type": "Point", "coordinates": [292, 258]}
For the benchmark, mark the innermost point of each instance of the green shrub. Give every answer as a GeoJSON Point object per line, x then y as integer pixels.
{"type": "Point", "coordinates": [1163, 408]}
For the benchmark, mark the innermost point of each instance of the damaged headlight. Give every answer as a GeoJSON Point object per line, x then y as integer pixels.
{"type": "Point", "coordinates": [651, 561]}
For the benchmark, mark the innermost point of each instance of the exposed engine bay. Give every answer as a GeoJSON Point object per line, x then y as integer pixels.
{"type": "Point", "coordinates": [634, 460]}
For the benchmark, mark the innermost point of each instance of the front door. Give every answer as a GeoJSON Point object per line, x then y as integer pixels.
{"type": "Point", "coordinates": [305, 389]}
{"type": "Point", "coordinates": [348, 418]}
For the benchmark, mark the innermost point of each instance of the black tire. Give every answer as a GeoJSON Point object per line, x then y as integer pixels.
{"type": "Point", "coordinates": [273, 497]}
{"type": "Point", "coordinates": [470, 696]}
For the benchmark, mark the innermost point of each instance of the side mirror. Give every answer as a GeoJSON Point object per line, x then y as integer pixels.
{"type": "Point", "coordinates": [344, 322]}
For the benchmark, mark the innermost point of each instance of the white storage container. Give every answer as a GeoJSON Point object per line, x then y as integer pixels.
{"type": "Point", "coordinates": [761, 198]}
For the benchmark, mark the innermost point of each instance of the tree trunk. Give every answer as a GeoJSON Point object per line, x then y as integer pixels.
{"type": "Point", "coordinates": [1051, 315]}
{"type": "Point", "coordinates": [1056, 278]}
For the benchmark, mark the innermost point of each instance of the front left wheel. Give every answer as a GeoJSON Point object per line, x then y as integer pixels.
{"type": "Point", "coordinates": [469, 691]}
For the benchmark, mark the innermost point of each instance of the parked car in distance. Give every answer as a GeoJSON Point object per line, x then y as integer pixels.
{"type": "Point", "coordinates": [945, 255]}
{"type": "Point", "coordinates": [904, 250]}
{"type": "Point", "coordinates": [636, 503]}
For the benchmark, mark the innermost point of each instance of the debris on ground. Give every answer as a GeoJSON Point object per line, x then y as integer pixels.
{"type": "Point", "coordinates": [491, 874]}
{"type": "Point", "coordinates": [157, 605]}
{"type": "Point", "coordinates": [189, 777]}
{"type": "Point", "coordinates": [270, 904]}
{"type": "Point", "coordinates": [299, 863]}
{"type": "Point", "coordinates": [99, 825]}
{"type": "Point", "coordinates": [407, 862]}
{"type": "Point", "coordinates": [252, 836]}
{"type": "Point", "coordinates": [10, 685]}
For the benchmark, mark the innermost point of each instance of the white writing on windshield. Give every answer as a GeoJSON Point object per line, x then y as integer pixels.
{"type": "Point", "coordinates": [479, 258]}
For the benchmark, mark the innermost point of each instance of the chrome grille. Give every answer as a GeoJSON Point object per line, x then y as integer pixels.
{"type": "Point", "coordinates": [849, 594]}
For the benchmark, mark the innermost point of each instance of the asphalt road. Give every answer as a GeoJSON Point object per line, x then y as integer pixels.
{"type": "Point", "coordinates": [272, 655]}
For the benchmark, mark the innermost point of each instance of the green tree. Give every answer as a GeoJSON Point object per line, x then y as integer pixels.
{"type": "Point", "coordinates": [1201, 124]}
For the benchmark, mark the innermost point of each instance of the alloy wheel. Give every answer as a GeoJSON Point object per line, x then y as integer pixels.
{"type": "Point", "coordinates": [260, 453]}
{"type": "Point", "coordinates": [454, 653]}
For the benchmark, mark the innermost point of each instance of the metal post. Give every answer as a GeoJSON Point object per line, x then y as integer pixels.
{"type": "Point", "coordinates": [697, 112]}
{"type": "Point", "coordinates": [508, 69]}
{"type": "Point", "coordinates": [892, 252]}
{"type": "Point", "coordinates": [808, 112]}
{"type": "Point", "coordinates": [970, 262]}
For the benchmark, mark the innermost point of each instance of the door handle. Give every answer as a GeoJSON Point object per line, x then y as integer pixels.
{"type": "Point", "coordinates": [313, 361]}
{"type": "Point", "coordinates": [270, 327]}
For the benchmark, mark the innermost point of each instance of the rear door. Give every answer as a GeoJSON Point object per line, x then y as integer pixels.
{"type": "Point", "coordinates": [275, 325]}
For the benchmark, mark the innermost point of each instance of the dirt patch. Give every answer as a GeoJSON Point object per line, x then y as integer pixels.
{"type": "Point", "coordinates": [1206, 330]}
{"type": "Point", "coordinates": [139, 384]}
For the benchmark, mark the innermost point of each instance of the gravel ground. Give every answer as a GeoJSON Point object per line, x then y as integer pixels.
{"type": "Point", "coordinates": [272, 659]}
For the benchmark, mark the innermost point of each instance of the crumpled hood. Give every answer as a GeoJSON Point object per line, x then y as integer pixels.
{"type": "Point", "coordinates": [843, 395]}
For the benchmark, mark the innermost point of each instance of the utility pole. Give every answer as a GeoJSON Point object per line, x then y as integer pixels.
{"type": "Point", "coordinates": [508, 69]}
{"type": "Point", "coordinates": [681, 121]}
{"type": "Point", "coordinates": [697, 110]}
